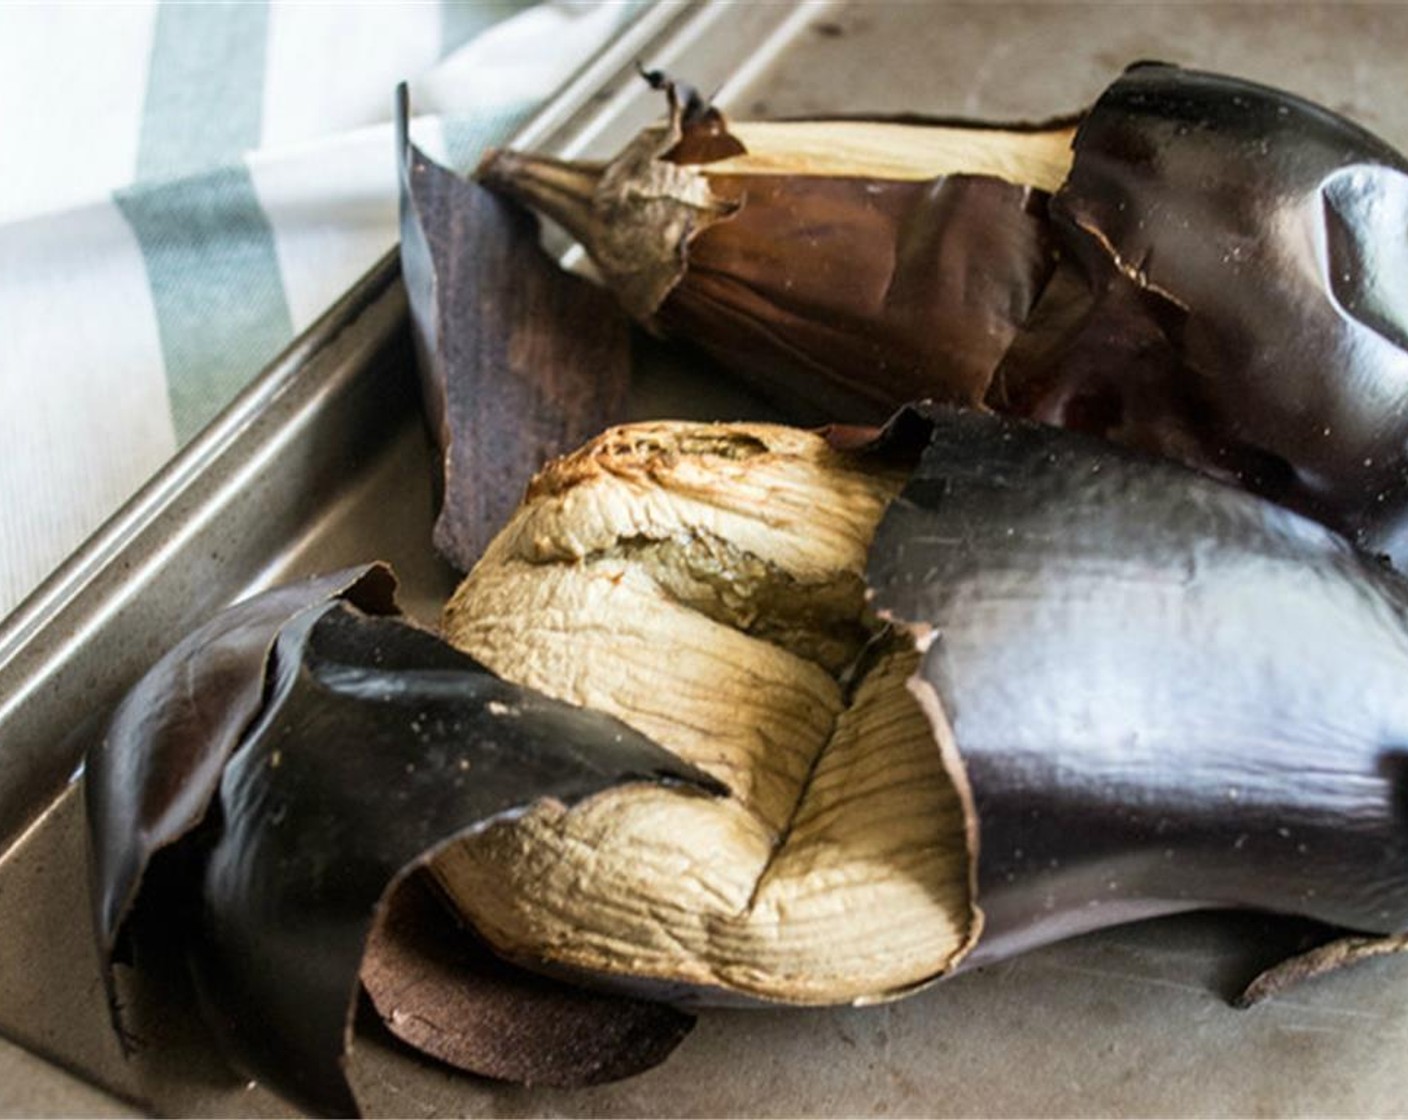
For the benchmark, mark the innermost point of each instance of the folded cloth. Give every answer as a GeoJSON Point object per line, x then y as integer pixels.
{"type": "Point", "coordinates": [189, 186]}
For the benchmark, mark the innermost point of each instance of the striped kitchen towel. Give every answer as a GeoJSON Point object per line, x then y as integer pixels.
{"type": "Point", "coordinates": [187, 186]}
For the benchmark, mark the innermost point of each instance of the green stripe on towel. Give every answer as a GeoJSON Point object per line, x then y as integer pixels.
{"type": "Point", "coordinates": [220, 304]}
{"type": "Point", "coordinates": [205, 88]}
{"type": "Point", "coordinates": [209, 249]}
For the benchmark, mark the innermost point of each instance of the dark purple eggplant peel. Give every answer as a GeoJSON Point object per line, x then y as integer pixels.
{"type": "Point", "coordinates": [1166, 693]}
{"type": "Point", "coordinates": [311, 757]}
{"type": "Point", "coordinates": [502, 393]}
{"type": "Point", "coordinates": [1233, 293]}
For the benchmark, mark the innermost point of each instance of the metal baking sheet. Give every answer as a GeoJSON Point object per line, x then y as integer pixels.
{"type": "Point", "coordinates": [324, 461]}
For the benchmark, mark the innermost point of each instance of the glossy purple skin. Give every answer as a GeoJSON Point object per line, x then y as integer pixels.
{"type": "Point", "coordinates": [1233, 294]}
{"type": "Point", "coordinates": [149, 782]}
{"type": "Point", "coordinates": [1167, 693]}
{"type": "Point", "coordinates": [427, 747]}
{"type": "Point", "coordinates": [303, 758]}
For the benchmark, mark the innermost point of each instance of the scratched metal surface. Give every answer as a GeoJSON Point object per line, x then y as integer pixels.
{"type": "Point", "coordinates": [1129, 1022]}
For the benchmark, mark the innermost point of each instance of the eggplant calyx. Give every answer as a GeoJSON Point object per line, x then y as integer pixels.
{"type": "Point", "coordinates": [634, 215]}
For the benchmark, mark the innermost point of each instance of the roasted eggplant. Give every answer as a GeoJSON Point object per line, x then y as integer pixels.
{"type": "Point", "coordinates": [1066, 686]}
{"type": "Point", "coordinates": [844, 266]}
{"type": "Point", "coordinates": [958, 688]}
{"type": "Point", "coordinates": [1205, 268]}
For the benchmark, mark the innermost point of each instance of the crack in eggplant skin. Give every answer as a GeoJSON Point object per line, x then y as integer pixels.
{"type": "Point", "coordinates": [1167, 693]}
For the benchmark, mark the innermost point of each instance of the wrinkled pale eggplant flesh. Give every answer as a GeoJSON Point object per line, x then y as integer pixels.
{"type": "Point", "coordinates": [378, 744]}
{"type": "Point", "coordinates": [519, 360]}
{"type": "Point", "coordinates": [898, 150]}
{"type": "Point", "coordinates": [844, 297]}
{"type": "Point", "coordinates": [702, 582]}
{"type": "Point", "coordinates": [1167, 693]}
{"type": "Point", "coordinates": [440, 989]}
{"type": "Point", "coordinates": [150, 780]}
{"type": "Point", "coordinates": [1233, 293]}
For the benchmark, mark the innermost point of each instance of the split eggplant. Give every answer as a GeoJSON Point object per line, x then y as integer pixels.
{"type": "Point", "coordinates": [1205, 268]}
{"type": "Point", "coordinates": [705, 585]}
{"type": "Point", "coordinates": [275, 782]}
{"type": "Point", "coordinates": [1089, 686]}
{"type": "Point", "coordinates": [958, 689]}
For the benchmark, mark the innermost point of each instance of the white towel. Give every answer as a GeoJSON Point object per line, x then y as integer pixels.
{"type": "Point", "coordinates": [187, 186]}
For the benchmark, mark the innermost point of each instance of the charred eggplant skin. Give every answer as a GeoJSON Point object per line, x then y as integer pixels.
{"type": "Point", "coordinates": [150, 780]}
{"type": "Point", "coordinates": [1167, 693]}
{"type": "Point", "coordinates": [1233, 293]}
{"type": "Point", "coordinates": [518, 359]}
{"type": "Point", "coordinates": [303, 861]}
{"type": "Point", "coordinates": [910, 289]}
{"type": "Point", "coordinates": [839, 296]}
{"type": "Point", "coordinates": [333, 755]}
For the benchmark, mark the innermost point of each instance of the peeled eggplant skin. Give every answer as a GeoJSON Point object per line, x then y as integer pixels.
{"type": "Point", "coordinates": [1233, 293]}
{"type": "Point", "coordinates": [151, 779]}
{"type": "Point", "coordinates": [371, 745]}
{"type": "Point", "coordinates": [1167, 694]}
{"type": "Point", "coordinates": [302, 861]}
{"type": "Point", "coordinates": [913, 288]}
{"type": "Point", "coordinates": [519, 360]}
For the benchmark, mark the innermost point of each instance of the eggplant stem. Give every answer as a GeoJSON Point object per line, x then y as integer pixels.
{"type": "Point", "coordinates": [563, 190]}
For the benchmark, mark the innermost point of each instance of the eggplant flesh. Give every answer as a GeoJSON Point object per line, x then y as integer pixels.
{"type": "Point", "coordinates": [703, 583]}
{"type": "Point", "coordinates": [1148, 691]}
